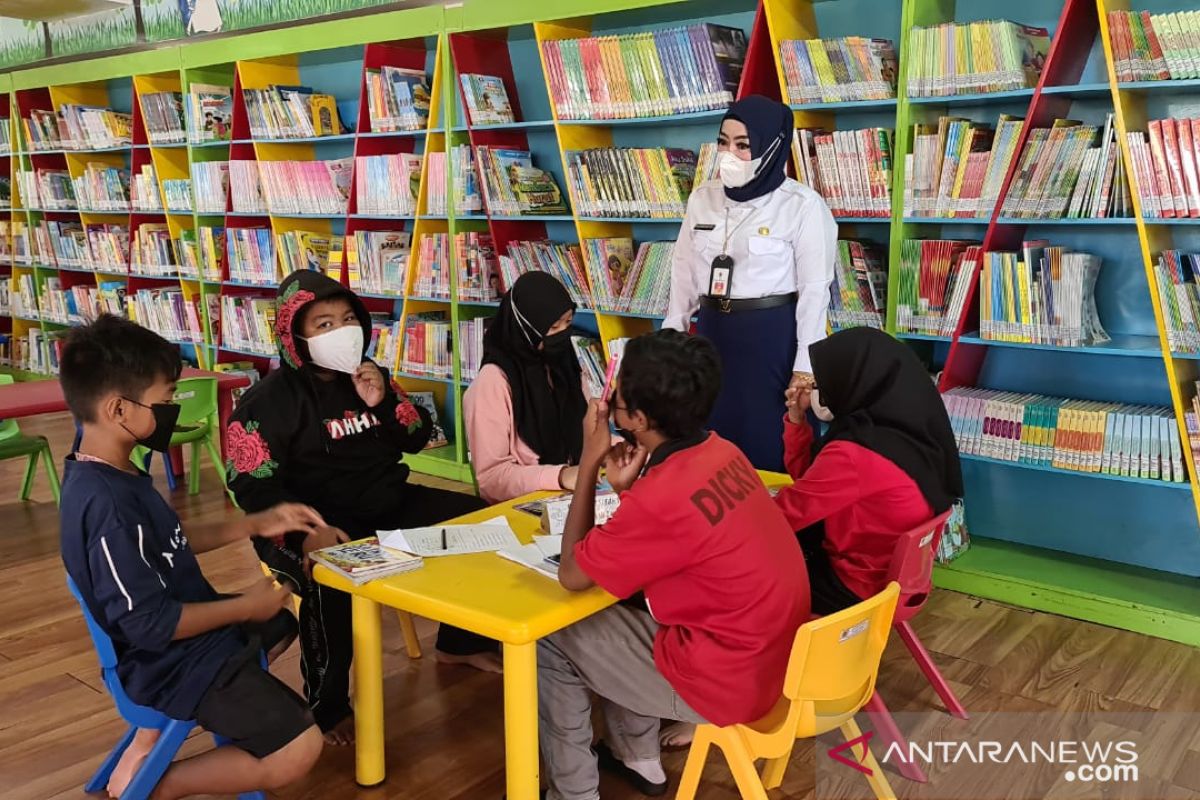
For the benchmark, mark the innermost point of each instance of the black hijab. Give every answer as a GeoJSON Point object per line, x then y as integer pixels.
{"type": "Point", "coordinates": [547, 393]}
{"type": "Point", "coordinates": [883, 399]}
{"type": "Point", "coordinates": [766, 121]}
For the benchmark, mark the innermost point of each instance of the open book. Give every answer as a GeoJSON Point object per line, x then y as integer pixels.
{"type": "Point", "coordinates": [540, 556]}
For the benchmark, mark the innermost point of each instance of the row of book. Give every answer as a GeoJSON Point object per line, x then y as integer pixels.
{"type": "Point", "coordinates": [102, 188]}
{"type": "Point", "coordinates": [1178, 283]}
{"type": "Point", "coordinates": [637, 182]}
{"type": "Point", "coordinates": [78, 127]}
{"type": "Point", "coordinates": [427, 345]}
{"type": "Point", "coordinates": [513, 186]}
{"type": "Point", "coordinates": [387, 184]}
{"type": "Point", "coordinates": [248, 325]}
{"type": "Point", "coordinates": [563, 261]}
{"type": "Point", "coordinates": [975, 57]}
{"type": "Point", "coordinates": [669, 71]}
{"type": "Point", "coordinates": [1078, 435]}
{"type": "Point", "coordinates": [623, 282]}
{"type": "Point", "coordinates": [291, 187]}
{"type": "Point", "coordinates": [250, 255]}
{"type": "Point", "coordinates": [934, 281]}
{"type": "Point", "coordinates": [210, 182]}
{"type": "Point", "coordinates": [957, 167]}
{"type": "Point", "coordinates": [1192, 421]}
{"type": "Point", "coordinates": [163, 115]}
{"type": "Point", "coordinates": [470, 347]}
{"type": "Point", "coordinates": [5, 136]}
{"type": "Point", "coordinates": [309, 250]}
{"type": "Point", "coordinates": [477, 271]}
{"type": "Point", "coordinates": [96, 246]}
{"type": "Point", "coordinates": [34, 351]}
{"type": "Point", "coordinates": [839, 70]}
{"type": "Point", "coordinates": [858, 293]}
{"type": "Point", "coordinates": [1166, 166]}
{"type": "Point", "coordinates": [144, 192]}
{"type": "Point", "coordinates": [377, 261]}
{"type": "Point", "coordinates": [47, 189]}
{"type": "Point", "coordinates": [1154, 47]}
{"type": "Point", "coordinates": [178, 194]}
{"type": "Point", "coordinates": [153, 252]}
{"type": "Point", "coordinates": [203, 252]}
{"type": "Point", "coordinates": [1041, 295]}
{"type": "Point", "coordinates": [852, 170]}
{"type": "Point", "coordinates": [486, 99]}
{"type": "Point", "coordinates": [168, 313]}
{"type": "Point", "coordinates": [432, 278]}
{"type": "Point", "coordinates": [397, 99]}
{"type": "Point", "coordinates": [291, 112]}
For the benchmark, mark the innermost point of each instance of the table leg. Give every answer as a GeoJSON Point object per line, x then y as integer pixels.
{"type": "Point", "coordinates": [370, 767]}
{"type": "Point", "coordinates": [521, 721]}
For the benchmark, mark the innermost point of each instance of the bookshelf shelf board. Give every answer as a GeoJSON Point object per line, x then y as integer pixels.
{"type": "Point", "coordinates": [91, 151]}
{"type": "Point", "coordinates": [944, 221]}
{"type": "Point", "coordinates": [442, 216]}
{"type": "Point", "coordinates": [1104, 222]}
{"type": "Point", "coordinates": [70, 323]}
{"type": "Point", "coordinates": [26, 318]}
{"type": "Point", "coordinates": [140, 276]}
{"type": "Point", "coordinates": [224, 214]}
{"type": "Point", "coordinates": [978, 98]}
{"type": "Point", "coordinates": [1074, 474]}
{"type": "Point", "coordinates": [149, 212]}
{"type": "Point", "coordinates": [421, 299]}
{"type": "Point", "coordinates": [87, 270]}
{"type": "Point", "coordinates": [214, 143]}
{"type": "Point", "coordinates": [398, 217]}
{"type": "Point", "coordinates": [378, 295]}
{"type": "Point", "coordinates": [58, 211]}
{"type": "Point", "coordinates": [864, 220]}
{"type": "Point", "coordinates": [22, 374]}
{"type": "Point", "coordinates": [1170, 221]}
{"type": "Point", "coordinates": [921, 337]}
{"type": "Point", "coordinates": [846, 105]}
{"type": "Point", "coordinates": [483, 303]}
{"type": "Point", "coordinates": [1188, 85]}
{"type": "Point", "coordinates": [240, 352]}
{"type": "Point", "coordinates": [247, 213]}
{"type": "Point", "coordinates": [392, 134]}
{"type": "Point", "coordinates": [1079, 90]}
{"type": "Point", "coordinates": [527, 218]}
{"type": "Point", "coordinates": [251, 285]}
{"type": "Point", "coordinates": [1186, 356]}
{"type": "Point", "coordinates": [440, 462]}
{"type": "Point", "coordinates": [1131, 598]}
{"type": "Point", "coordinates": [107, 212]}
{"type": "Point", "coordinates": [161, 146]}
{"type": "Point", "coordinates": [690, 118]}
{"type": "Point", "coordinates": [634, 220]}
{"type": "Point", "coordinates": [177, 213]}
{"type": "Point", "coordinates": [303, 216]}
{"type": "Point", "coordinates": [419, 377]}
{"type": "Point", "coordinates": [529, 125]}
{"type": "Point", "coordinates": [341, 137]}
{"type": "Point", "coordinates": [1121, 345]}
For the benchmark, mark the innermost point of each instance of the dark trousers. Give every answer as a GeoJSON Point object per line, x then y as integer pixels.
{"type": "Point", "coordinates": [758, 350]}
{"type": "Point", "coordinates": [326, 642]}
{"type": "Point", "coordinates": [829, 594]}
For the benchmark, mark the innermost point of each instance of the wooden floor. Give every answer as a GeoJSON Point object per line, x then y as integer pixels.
{"type": "Point", "coordinates": [444, 725]}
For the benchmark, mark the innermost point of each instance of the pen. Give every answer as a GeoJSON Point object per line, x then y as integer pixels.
{"type": "Point", "coordinates": [444, 538]}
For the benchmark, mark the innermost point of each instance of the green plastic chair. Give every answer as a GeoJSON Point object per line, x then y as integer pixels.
{"type": "Point", "coordinates": [14, 444]}
{"type": "Point", "coordinates": [198, 425]}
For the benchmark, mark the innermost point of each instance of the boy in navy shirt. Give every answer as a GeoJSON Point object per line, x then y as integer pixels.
{"type": "Point", "coordinates": [182, 648]}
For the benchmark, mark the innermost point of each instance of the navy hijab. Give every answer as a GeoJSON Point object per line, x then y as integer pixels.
{"type": "Point", "coordinates": [766, 121]}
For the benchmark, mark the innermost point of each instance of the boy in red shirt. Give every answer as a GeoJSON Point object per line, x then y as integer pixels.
{"type": "Point", "coordinates": [698, 533]}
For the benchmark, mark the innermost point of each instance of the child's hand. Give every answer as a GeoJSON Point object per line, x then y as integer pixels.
{"type": "Point", "coordinates": [623, 464]}
{"type": "Point", "coordinates": [596, 436]}
{"type": "Point", "coordinates": [284, 518]}
{"type": "Point", "coordinates": [264, 600]}
{"type": "Point", "coordinates": [326, 536]}
{"type": "Point", "coordinates": [368, 382]}
{"type": "Point", "coordinates": [798, 400]}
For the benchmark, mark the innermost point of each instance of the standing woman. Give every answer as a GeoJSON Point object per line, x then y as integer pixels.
{"type": "Point", "coordinates": [756, 256]}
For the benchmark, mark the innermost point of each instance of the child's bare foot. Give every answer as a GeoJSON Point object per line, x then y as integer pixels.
{"type": "Point", "coordinates": [131, 760]}
{"type": "Point", "coordinates": [342, 734]}
{"type": "Point", "coordinates": [677, 735]}
{"type": "Point", "coordinates": [484, 662]}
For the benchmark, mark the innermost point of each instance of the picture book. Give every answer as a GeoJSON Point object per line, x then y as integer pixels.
{"type": "Point", "coordinates": [210, 112]}
{"type": "Point", "coordinates": [487, 99]}
{"type": "Point", "coordinates": [365, 560]}
{"type": "Point", "coordinates": [425, 400]}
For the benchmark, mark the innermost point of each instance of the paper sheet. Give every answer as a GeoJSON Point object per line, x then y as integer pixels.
{"type": "Point", "coordinates": [534, 555]}
{"type": "Point", "coordinates": [486, 537]}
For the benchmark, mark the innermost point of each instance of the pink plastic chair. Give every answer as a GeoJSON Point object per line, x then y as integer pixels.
{"type": "Point", "coordinates": [912, 568]}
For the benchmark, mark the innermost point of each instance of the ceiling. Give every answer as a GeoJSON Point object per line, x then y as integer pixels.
{"type": "Point", "coordinates": [50, 10]}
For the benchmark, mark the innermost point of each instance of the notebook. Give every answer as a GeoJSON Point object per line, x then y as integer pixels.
{"type": "Point", "coordinates": [452, 540]}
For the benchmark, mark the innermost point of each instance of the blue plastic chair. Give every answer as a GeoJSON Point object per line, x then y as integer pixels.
{"type": "Point", "coordinates": [174, 731]}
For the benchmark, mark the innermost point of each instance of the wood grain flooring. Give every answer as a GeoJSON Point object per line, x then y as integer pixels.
{"type": "Point", "coordinates": [1012, 668]}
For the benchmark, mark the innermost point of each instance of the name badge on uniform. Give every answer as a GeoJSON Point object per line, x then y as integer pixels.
{"type": "Point", "coordinates": [704, 227]}
{"type": "Point", "coordinates": [720, 277]}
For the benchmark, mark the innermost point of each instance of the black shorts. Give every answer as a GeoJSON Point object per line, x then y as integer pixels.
{"type": "Point", "coordinates": [249, 706]}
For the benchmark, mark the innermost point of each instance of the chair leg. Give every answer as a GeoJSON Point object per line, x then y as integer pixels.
{"type": "Point", "coordinates": [52, 475]}
{"type": "Point", "coordinates": [30, 474]}
{"type": "Point", "coordinates": [890, 735]}
{"type": "Point", "coordinates": [741, 764]}
{"type": "Point", "coordinates": [932, 674]}
{"type": "Point", "coordinates": [214, 452]}
{"type": "Point", "coordinates": [772, 773]}
{"type": "Point", "coordinates": [878, 780]}
{"type": "Point", "coordinates": [100, 779]}
{"type": "Point", "coordinates": [689, 781]}
{"type": "Point", "coordinates": [411, 643]}
{"type": "Point", "coordinates": [194, 470]}
{"type": "Point", "coordinates": [158, 760]}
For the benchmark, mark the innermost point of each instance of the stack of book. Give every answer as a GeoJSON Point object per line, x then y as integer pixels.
{"type": "Point", "coordinates": [102, 188]}
{"type": "Point", "coordinates": [671, 71]}
{"type": "Point", "coordinates": [427, 348]}
{"type": "Point", "coordinates": [109, 247]}
{"type": "Point", "coordinates": [975, 57]}
{"type": "Point", "coordinates": [397, 99]}
{"type": "Point", "coordinates": [1154, 47]}
{"type": "Point", "coordinates": [144, 194]}
{"type": "Point", "coordinates": [209, 111]}
{"type": "Point", "coordinates": [470, 347]}
{"type": "Point", "coordinates": [839, 70]}
{"type": "Point", "coordinates": [1076, 435]}
{"type": "Point", "coordinates": [163, 113]}
{"type": "Point", "coordinates": [1061, 174]}
{"type": "Point", "coordinates": [245, 187]}
{"type": "Point", "coordinates": [250, 254]}
{"type": "Point", "coordinates": [486, 98]}
{"type": "Point", "coordinates": [291, 112]}
{"type": "Point", "coordinates": [852, 170]}
{"type": "Point", "coordinates": [305, 250]}
{"type": "Point", "coordinates": [476, 267]}
{"type": "Point", "coordinates": [858, 294]}
{"type": "Point", "coordinates": [168, 313]}
{"type": "Point", "coordinates": [933, 284]}
{"type": "Point", "coordinates": [377, 261]}
{"type": "Point", "coordinates": [631, 182]}
{"type": "Point", "coordinates": [211, 182]}
{"type": "Point", "coordinates": [1166, 161]}
{"type": "Point", "coordinates": [365, 560]}
{"type": "Point", "coordinates": [1178, 283]}
{"type": "Point", "coordinates": [387, 185]}
{"type": "Point", "coordinates": [624, 283]}
{"type": "Point", "coordinates": [248, 324]}
{"type": "Point", "coordinates": [203, 252]}
{"type": "Point", "coordinates": [563, 261]}
{"type": "Point", "coordinates": [433, 267]}
{"type": "Point", "coordinates": [306, 187]}
{"type": "Point", "coordinates": [153, 251]}
{"type": "Point", "coordinates": [1041, 295]}
{"type": "Point", "coordinates": [178, 193]}
{"type": "Point", "coordinates": [512, 186]}
{"type": "Point", "coordinates": [957, 167]}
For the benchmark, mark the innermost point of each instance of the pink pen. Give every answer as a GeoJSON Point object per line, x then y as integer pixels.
{"type": "Point", "coordinates": [608, 378]}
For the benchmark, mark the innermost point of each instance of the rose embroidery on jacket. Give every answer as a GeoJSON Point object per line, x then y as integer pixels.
{"type": "Point", "coordinates": [407, 415]}
{"type": "Point", "coordinates": [292, 301]}
{"type": "Point", "coordinates": [248, 452]}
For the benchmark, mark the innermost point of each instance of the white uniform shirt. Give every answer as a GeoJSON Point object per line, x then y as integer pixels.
{"type": "Point", "coordinates": [782, 242]}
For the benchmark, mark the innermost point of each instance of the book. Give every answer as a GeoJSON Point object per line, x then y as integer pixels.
{"type": "Point", "coordinates": [513, 186]}
{"type": "Point", "coordinates": [387, 185]}
{"type": "Point", "coordinates": [451, 540]}
{"type": "Point", "coordinates": [858, 294]}
{"type": "Point", "coordinates": [554, 511]}
{"type": "Point", "coordinates": [427, 350]}
{"type": "Point", "coordinates": [838, 70]}
{"type": "Point", "coordinates": [365, 560]}
{"type": "Point", "coordinates": [975, 57]}
{"type": "Point", "coordinates": [470, 346]}
{"type": "Point", "coordinates": [210, 182]}
{"type": "Point", "coordinates": [851, 169]}
{"type": "Point", "coordinates": [564, 261]}
{"type": "Point", "coordinates": [958, 166]}
{"type": "Point", "coordinates": [377, 261]}
{"type": "Point", "coordinates": [303, 187]}
{"type": "Point", "coordinates": [934, 279]}
{"type": "Point", "coordinates": [425, 400]}
{"type": "Point", "coordinates": [1178, 283]}
{"type": "Point", "coordinates": [209, 112]}
{"type": "Point", "coordinates": [541, 555]}
{"type": "Point", "coordinates": [476, 268]}
{"type": "Point", "coordinates": [1154, 47]}
{"type": "Point", "coordinates": [486, 99]}
{"type": "Point", "coordinates": [250, 256]}
{"type": "Point", "coordinates": [248, 325]}
{"type": "Point", "coordinates": [590, 354]}
{"type": "Point", "coordinates": [245, 188]}
{"type": "Point", "coordinates": [630, 181]}
{"type": "Point", "coordinates": [308, 250]}
{"type": "Point", "coordinates": [955, 539]}
{"type": "Point", "coordinates": [168, 313]}
{"type": "Point", "coordinates": [291, 112]}
{"type": "Point", "coordinates": [144, 193]}
{"type": "Point", "coordinates": [163, 116]}
{"type": "Point", "coordinates": [397, 99]}
{"type": "Point", "coordinates": [1166, 167]}
{"type": "Point", "coordinates": [153, 252]}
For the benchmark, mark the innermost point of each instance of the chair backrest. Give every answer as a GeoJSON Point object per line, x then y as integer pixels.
{"type": "Point", "coordinates": [104, 646]}
{"type": "Point", "coordinates": [197, 398]}
{"type": "Point", "coordinates": [9, 429]}
{"type": "Point", "coordinates": [912, 564]}
{"type": "Point", "coordinates": [835, 659]}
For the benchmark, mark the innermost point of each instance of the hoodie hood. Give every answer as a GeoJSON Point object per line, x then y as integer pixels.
{"type": "Point", "coordinates": [298, 291]}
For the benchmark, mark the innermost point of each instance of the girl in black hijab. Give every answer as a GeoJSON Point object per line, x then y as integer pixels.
{"type": "Point", "coordinates": [524, 411]}
{"type": "Point", "coordinates": [887, 462]}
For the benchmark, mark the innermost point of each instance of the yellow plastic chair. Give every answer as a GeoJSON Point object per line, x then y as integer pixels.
{"type": "Point", "coordinates": [14, 444]}
{"type": "Point", "coordinates": [831, 675]}
{"type": "Point", "coordinates": [411, 643]}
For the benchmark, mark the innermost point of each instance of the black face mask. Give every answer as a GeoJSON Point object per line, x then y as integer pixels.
{"type": "Point", "coordinates": [627, 435]}
{"type": "Point", "coordinates": [165, 417]}
{"type": "Point", "coordinates": [556, 343]}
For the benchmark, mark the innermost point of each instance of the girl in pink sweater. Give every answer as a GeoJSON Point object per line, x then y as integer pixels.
{"type": "Point", "coordinates": [524, 412]}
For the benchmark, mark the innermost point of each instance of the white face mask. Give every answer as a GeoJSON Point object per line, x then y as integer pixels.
{"type": "Point", "coordinates": [736, 173]}
{"type": "Point", "coordinates": [821, 412]}
{"type": "Point", "coordinates": [340, 350]}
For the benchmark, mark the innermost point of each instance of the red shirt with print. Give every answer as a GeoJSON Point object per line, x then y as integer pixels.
{"type": "Point", "coordinates": [865, 500]}
{"type": "Point", "coordinates": [722, 572]}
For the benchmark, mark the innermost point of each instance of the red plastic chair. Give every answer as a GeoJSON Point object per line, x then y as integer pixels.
{"type": "Point", "coordinates": [912, 568]}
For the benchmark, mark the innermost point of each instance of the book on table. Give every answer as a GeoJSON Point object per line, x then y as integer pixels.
{"type": "Point", "coordinates": [365, 560]}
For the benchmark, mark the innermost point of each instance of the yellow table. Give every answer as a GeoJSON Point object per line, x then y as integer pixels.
{"type": "Point", "coordinates": [481, 593]}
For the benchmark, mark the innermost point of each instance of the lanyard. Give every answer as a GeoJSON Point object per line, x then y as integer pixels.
{"type": "Point", "coordinates": [729, 233]}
